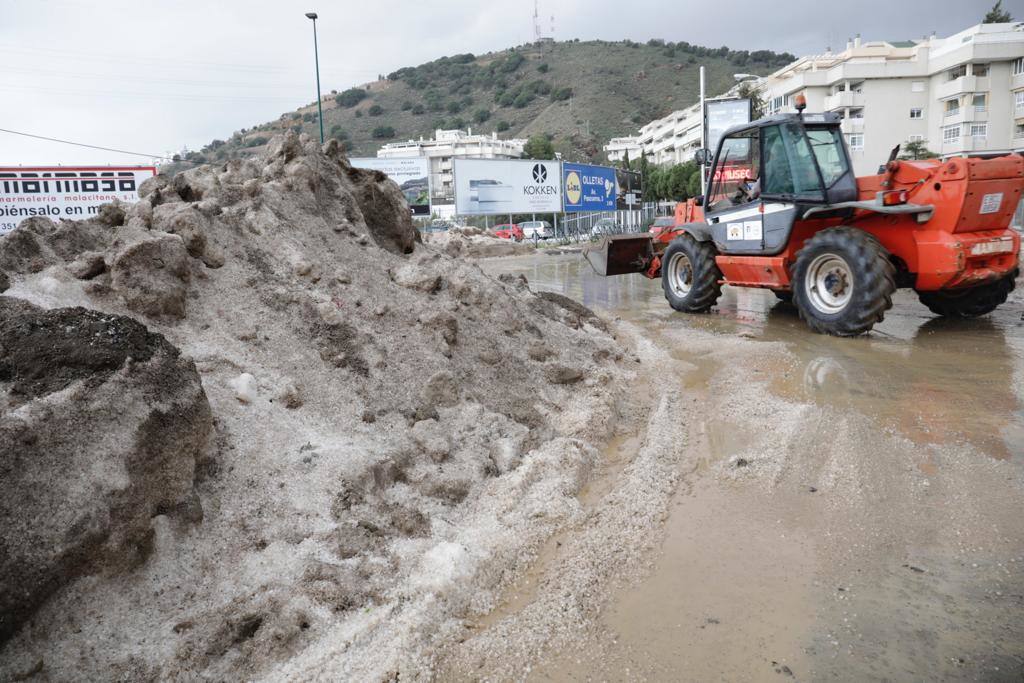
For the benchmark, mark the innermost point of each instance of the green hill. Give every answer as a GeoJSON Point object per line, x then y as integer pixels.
{"type": "Point", "coordinates": [580, 92]}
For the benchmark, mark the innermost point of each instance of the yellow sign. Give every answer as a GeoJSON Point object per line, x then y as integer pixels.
{"type": "Point", "coordinates": [573, 188]}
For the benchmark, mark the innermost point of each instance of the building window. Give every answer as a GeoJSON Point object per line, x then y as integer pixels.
{"type": "Point", "coordinates": [856, 113]}
{"type": "Point", "coordinates": [915, 113]}
{"type": "Point", "coordinates": [980, 70]}
{"type": "Point", "coordinates": [915, 138]}
{"type": "Point", "coordinates": [979, 131]}
{"type": "Point", "coordinates": [857, 142]}
{"type": "Point", "coordinates": [1018, 100]}
{"type": "Point", "coordinates": [777, 103]}
{"type": "Point", "coordinates": [953, 106]}
{"type": "Point", "coordinates": [956, 72]}
{"type": "Point", "coordinates": [1018, 130]}
{"type": "Point", "coordinates": [979, 100]}
{"type": "Point", "coordinates": [1018, 66]}
{"type": "Point", "coordinates": [916, 86]}
{"type": "Point", "coordinates": [950, 134]}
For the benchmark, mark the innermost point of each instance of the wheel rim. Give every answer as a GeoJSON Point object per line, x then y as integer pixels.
{"type": "Point", "coordinates": [680, 274]}
{"type": "Point", "coordinates": [829, 283]}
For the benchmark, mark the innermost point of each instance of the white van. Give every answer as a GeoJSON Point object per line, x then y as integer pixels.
{"type": "Point", "coordinates": [540, 230]}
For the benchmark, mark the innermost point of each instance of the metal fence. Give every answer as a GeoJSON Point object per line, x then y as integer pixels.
{"type": "Point", "coordinates": [579, 227]}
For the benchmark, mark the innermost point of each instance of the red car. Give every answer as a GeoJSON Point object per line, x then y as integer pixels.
{"type": "Point", "coordinates": [508, 231]}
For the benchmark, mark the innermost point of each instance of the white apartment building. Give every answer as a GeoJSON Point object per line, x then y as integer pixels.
{"type": "Point", "coordinates": [618, 148]}
{"type": "Point", "coordinates": [961, 95]}
{"type": "Point", "coordinates": [445, 146]}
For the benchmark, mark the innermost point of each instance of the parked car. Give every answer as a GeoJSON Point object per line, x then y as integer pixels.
{"type": "Point", "coordinates": [605, 226]}
{"type": "Point", "coordinates": [540, 230]}
{"type": "Point", "coordinates": [508, 231]}
{"type": "Point", "coordinates": [661, 224]}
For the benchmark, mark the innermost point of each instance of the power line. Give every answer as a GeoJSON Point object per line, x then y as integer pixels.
{"type": "Point", "coordinates": [82, 144]}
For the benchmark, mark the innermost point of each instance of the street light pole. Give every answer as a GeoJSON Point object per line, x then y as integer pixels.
{"type": "Point", "coordinates": [703, 136]}
{"type": "Point", "coordinates": [316, 56]}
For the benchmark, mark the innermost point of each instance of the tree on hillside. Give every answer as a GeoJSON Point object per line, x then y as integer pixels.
{"type": "Point", "coordinates": [350, 97]}
{"type": "Point", "coordinates": [916, 149]}
{"type": "Point", "coordinates": [997, 15]}
{"type": "Point", "coordinates": [538, 147]}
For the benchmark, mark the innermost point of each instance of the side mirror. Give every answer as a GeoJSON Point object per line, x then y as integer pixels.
{"type": "Point", "coordinates": [699, 200]}
{"type": "Point", "coordinates": [702, 157]}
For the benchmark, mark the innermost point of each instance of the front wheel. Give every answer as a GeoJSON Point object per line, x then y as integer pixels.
{"type": "Point", "coordinates": [971, 302]}
{"type": "Point", "coordinates": [843, 282]}
{"type": "Point", "coordinates": [689, 275]}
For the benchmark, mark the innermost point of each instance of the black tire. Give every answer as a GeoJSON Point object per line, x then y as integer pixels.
{"type": "Point", "coordinates": [843, 282]}
{"type": "Point", "coordinates": [785, 295]}
{"type": "Point", "coordinates": [689, 275]}
{"type": "Point", "coordinates": [971, 302]}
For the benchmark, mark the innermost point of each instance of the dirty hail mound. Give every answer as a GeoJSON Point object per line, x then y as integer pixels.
{"type": "Point", "coordinates": [251, 427]}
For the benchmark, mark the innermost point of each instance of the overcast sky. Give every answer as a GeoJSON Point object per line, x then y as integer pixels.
{"type": "Point", "coordinates": [154, 77]}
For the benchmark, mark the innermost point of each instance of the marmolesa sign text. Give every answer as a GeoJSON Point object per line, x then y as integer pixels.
{"type": "Point", "coordinates": [57, 192]}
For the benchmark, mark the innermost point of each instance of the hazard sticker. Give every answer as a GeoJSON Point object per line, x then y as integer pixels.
{"type": "Point", "coordinates": [752, 230]}
{"type": "Point", "coordinates": [734, 231]}
{"type": "Point", "coordinates": [990, 203]}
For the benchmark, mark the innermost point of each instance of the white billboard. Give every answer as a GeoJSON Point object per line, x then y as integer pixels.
{"type": "Point", "coordinates": [411, 174]}
{"type": "Point", "coordinates": [503, 186]}
{"type": "Point", "coordinates": [57, 192]}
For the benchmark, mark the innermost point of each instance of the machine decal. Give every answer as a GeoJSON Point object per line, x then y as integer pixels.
{"type": "Point", "coordinates": [734, 231]}
{"type": "Point", "coordinates": [751, 230]}
{"type": "Point", "coordinates": [990, 203]}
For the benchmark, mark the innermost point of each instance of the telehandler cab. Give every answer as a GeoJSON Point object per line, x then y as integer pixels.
{"type": "Point", "coordinates": [785, 212]}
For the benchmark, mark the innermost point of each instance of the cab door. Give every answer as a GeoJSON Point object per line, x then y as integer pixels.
{"type": "Point", "coordinates": [789, 176]}
{"type": "Point", "coordinates": [733, 211]}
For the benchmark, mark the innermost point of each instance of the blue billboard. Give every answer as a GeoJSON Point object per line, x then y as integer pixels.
{"type": "Point", "coordinates": [588, 188]}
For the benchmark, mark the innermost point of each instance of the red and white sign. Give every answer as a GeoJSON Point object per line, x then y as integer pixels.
{"type": "Point", "coordinates": [69, 192]}
{"type": "Point", "coordinates": [732, 173]}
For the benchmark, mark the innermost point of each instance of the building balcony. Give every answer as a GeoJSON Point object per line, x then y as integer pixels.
{"type": "Point", "coordinates": [961, 86]}
{"type": "Point", "coordinates": [852, 125]}
{"type": "Point", "coordinates": [844, 100]}
{"type": "Point", "coordinates": [954, 116]}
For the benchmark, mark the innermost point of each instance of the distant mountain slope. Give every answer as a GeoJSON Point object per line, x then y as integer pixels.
{"type": "Point", "coordinates": [581, 93]}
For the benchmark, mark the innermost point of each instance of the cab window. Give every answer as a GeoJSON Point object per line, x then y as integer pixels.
{"type": "Point", "coordinates": [789, 163]}
{"type": "Point", "coordinates": [828, 150]}
{"type": "Point", "coordinates": [736, 174]}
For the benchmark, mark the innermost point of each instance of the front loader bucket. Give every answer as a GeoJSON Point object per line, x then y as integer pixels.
{"type": "Point", "coordinates": [620, 254]}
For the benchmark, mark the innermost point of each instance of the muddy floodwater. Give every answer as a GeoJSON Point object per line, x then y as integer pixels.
{"type": "Point", "coordinates": [848, 509]}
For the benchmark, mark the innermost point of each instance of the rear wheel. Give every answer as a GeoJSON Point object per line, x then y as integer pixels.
{"type": "Point", "coordinates": [843, 282]}
{"type": "Point", "coordinates": [689, 275]}
{"type": "Point", "coordinates": [971, 302]}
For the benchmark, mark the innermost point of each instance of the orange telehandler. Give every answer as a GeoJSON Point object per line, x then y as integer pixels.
{"type": "Point", "coordinates": [785, 212]}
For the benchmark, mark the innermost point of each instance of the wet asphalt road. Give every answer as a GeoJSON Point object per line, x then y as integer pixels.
{"type": "Point", "coordinates": [878, 531]}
